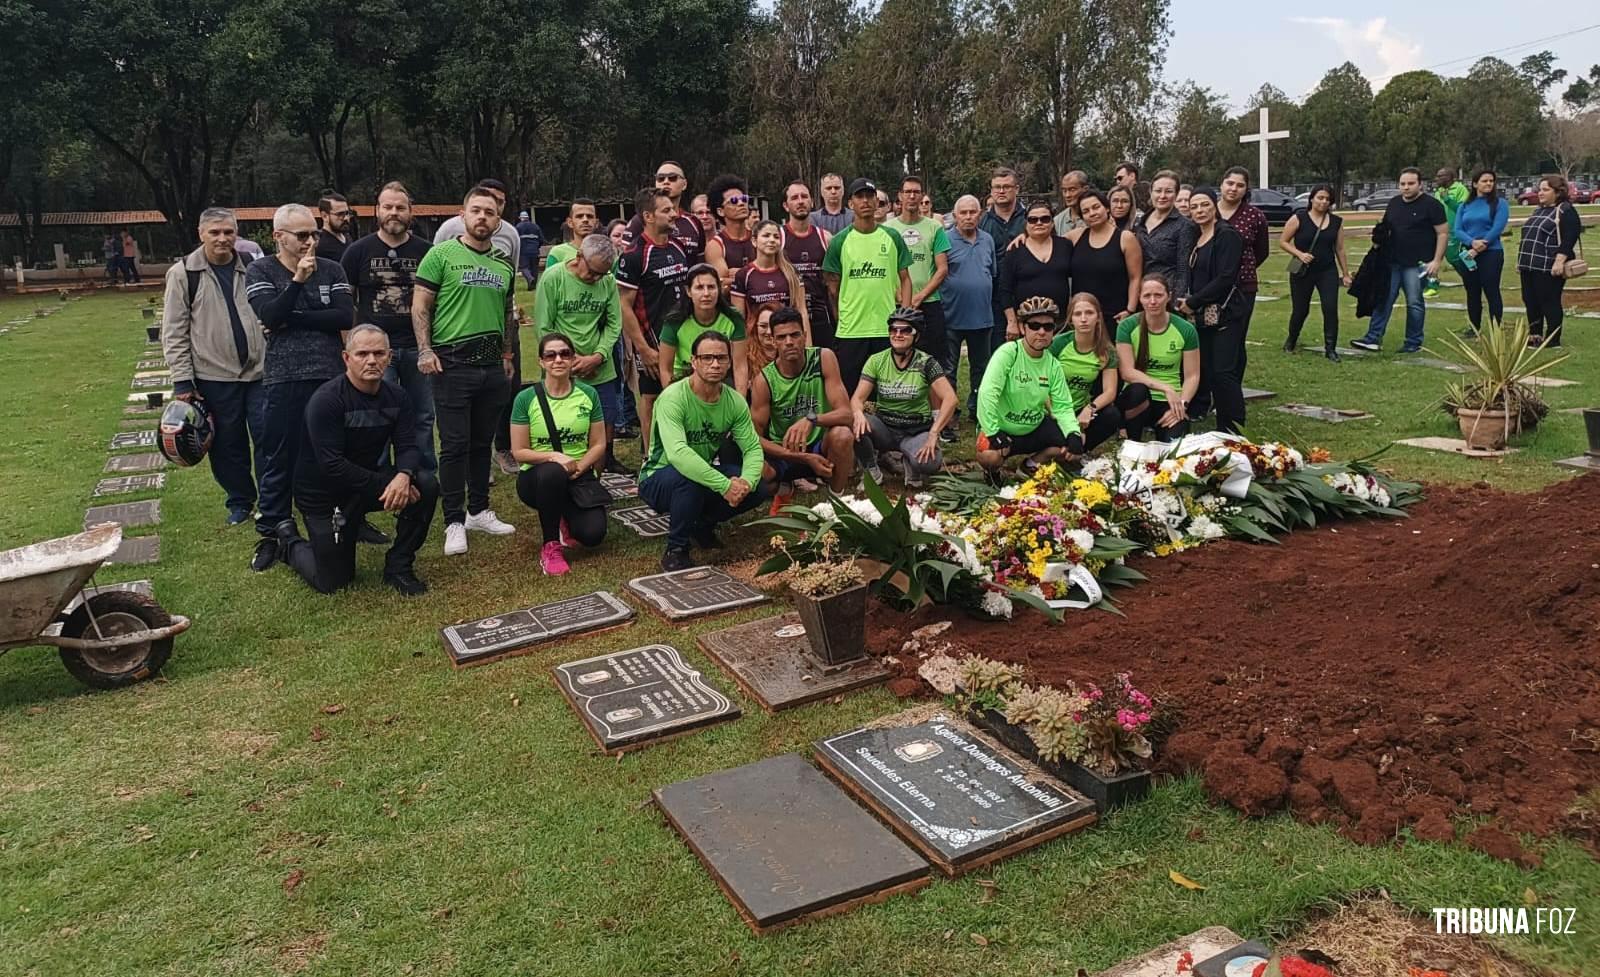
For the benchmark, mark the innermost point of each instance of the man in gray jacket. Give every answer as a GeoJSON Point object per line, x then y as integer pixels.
{"type": "Point", "coordinates": [214, 346]}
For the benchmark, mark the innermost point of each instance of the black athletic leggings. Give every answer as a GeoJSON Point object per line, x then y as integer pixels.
{"type": "Point", "coordinates": [1326, 285]}
{"type": "Point", "coordinates": [1114, 416]}
{"type": "Point", "coordinates": [546, 488]}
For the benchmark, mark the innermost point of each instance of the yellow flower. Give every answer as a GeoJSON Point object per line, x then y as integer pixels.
{"type": "Point", "coordinates": [1164, 549]}
{"type": "Point", "coordinates": [1090, 494]}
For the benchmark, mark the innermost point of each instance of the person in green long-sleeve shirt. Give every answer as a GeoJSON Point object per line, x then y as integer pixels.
{"type": "Point", "coordinates": [1452, 193]}
{"type": "Point", "coordinates": [579, 299]}
{"type": "Point", "coordinates": [692, 419]}
{"type": "Point", "coordinates": [1024, 403]}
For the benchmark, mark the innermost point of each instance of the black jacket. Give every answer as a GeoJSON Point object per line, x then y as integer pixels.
{"type": "Point", "coordinates": [1214, 274]}
{"type": "Point", "coordinates": [1370, 284]}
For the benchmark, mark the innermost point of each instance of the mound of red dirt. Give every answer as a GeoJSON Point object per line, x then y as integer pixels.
{"type": "Point", "coordinates": [1374, 675]}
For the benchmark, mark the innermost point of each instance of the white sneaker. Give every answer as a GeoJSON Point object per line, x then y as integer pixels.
{"type": "Point", "coordinates": [455, 539]}
{"type": "Point", "coordinates": [487, 522]}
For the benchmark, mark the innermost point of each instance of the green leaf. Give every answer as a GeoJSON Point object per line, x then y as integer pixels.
{"type": "Point", "coordinates": [1244, 527]}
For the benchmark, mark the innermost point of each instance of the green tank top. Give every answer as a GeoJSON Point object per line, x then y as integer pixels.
{"type": "Point", "coordinates": [794, 398]}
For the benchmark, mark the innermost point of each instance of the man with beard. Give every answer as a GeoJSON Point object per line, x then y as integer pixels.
{"type": "Point", "coordinates": [463, 317]}
{"type": "Point", "coordinates": [382, 269]}
{"type": "Point", "coordinates": [685, 231]}
{"type": "Point", "coordinates": [338, 225]}
{"type": "Point", "coordinates": [805, 245]}
{"type": "Point", "coordinates": [581, 222]}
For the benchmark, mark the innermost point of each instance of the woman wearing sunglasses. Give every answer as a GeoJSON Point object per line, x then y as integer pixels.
{"type": "Point", "coordinates": [558, 435]}
{"type": "Point", "coordinates": [1024, 404]}
{"type": "Point", "coordinates": [1038, 267]}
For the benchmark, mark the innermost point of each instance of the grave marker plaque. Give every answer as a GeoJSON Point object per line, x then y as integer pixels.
{"type": "Point", "coordinates": [150, 365]}
{"type": "Point", "coordinates": [785, 844]}
{"type": "Point", "coordinates": [636, 698]}
{"type": "Point", "coordinates": [643, 520]}
{"type": "Point", "coordinates": [124, 484]}
{"type": "Point", "coordinates": [149, 461]}
{"type": "Point", "coordinates": [132, 439]}
{"type": "Point", "coordinates": [1581, 463]}
{"type": "Point", "coordinates": [694, 592]}
{"type": "Point", "coordinates": [958, 798]}
{"type": "Point", "coordinates": [1436, 364]}
{"type": "Point", "coordinates": [137, 549]}
{"type": "Point", "coordinates": [1332, 415]}
{"type": "Point", "coordinates": [152, 383]}
{"type": "Point", "coordinates": [125, 514]}
{"type": "Point", "coordinates": [520, 631]}
{"type": "Point", "coordinates": [150, 400]}
{"type": "Point", "coordinates": [620, 486]}
{"type": "Point", "coordinates": [771, 660]}
{"type": "Point", "coordinates": [1251, 393]}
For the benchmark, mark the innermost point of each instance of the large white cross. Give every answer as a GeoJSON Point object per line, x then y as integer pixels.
{"type": "Point", "coordinates": [1262, 137]}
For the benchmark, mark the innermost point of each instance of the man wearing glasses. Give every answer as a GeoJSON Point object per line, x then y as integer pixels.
{"type": "Point", "coordinates": [1005, 222]}
{"type": "Point", "coordinates": [685, 231]}
{"type": "Point", "coordinates": [692, 419]}
{"type": "Point", "coordinates": [382, 269]}
{"type": "Point", "coordinates": [338, 225]}
{"type": "Point", "coordinates": [303, 302]}
{"type": "Point", "coordinates": [579, 299]}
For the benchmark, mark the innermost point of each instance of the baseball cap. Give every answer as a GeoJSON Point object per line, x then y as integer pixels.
{"type": "Point", "coordinates": [522, 216]}
{"type": "Point", "coordinates": [862, 185]}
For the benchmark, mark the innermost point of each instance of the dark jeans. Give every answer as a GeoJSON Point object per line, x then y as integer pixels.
{"type": "Point", "coordinates": [931, 338]}
{"type": "Point", "coordinates": [1222, 373]}
{"type": "Point", "coordinates": [403, 371]}
{"type": "Point", "coordinates": [278, 447]}
{"type": "Point", "coordinates": [545, 489]}
{"type": "Point", "coordinates": [691, 506]}
{"type": "Point", "coordinates": [1541, 294]}
{"type": "Point", "coordinates": [1114, 416]}
{"type": "Point", "coordinates": [326, 557]}
{"type": "Point", "coordinates": [853, 354]}
{"type": "Point", "coordinates": [1409, 278]}
{"type": "Point", "coordinates": [980, 346]}
{"type": "Point", "coordinates": [502, 434]}
{"type": "Point", "coordinates": [1484, 282]}
{"type": "Point", "coordinates": [467, 402]}
{"type": "Point", "coordinates": [1326, 284]}
{"type": "Point", "coordinates": [1150, 421]}
{"type": "Point", "coordinates": [238, 418]}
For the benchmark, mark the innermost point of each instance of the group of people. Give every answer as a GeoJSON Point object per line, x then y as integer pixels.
{"type": "Point", "coordinates": [122, 257]}
{"type": "Point", "coordinates": [759, 357]}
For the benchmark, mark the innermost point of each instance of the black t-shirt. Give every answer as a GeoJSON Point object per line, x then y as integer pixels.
{"type": "Point", "coordinates": [1412, 223]}
{"type": "Point", "coordinates": [1320, 244]}
{"type": "Point", "coordinates": [330, 247]}
{"type": "Point", "coordinates": [686, 233]}
{"type": "Point", "coordinates": [651, 279]}
{"type": "Point", "coordinates": [345, 434]}
{"type": "Point", "coordinates": [382, 279]}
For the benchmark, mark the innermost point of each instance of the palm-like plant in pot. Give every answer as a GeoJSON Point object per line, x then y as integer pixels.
{"type": "Point", "coordinates": [1496, 397]}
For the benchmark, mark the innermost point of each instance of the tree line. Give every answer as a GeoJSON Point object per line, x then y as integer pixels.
{"type": "Point", "coordinates": [180, 104]}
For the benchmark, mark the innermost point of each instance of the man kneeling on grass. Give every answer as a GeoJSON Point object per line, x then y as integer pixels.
{"type": "Point", "coordinates": [802, 412]}
{"type": "Point", "coordinates": [348, 421]}
{"type": "Point", "coordinates": [1024, 403]}
{"type": "Point", "coordinates": [694, 419]}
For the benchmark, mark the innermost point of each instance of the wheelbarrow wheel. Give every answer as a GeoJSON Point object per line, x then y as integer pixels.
{"type": "Point", "coordinates": [118, 612]}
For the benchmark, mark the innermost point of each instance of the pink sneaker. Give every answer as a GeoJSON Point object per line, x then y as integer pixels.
{"type": "Point", "coordinates": [551, 559]}
{"type": "Point", "coordinates": [567, 542]}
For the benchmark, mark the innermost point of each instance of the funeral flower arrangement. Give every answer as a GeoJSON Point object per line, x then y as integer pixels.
{"type": "Point", "coordinates": [1059, 538]}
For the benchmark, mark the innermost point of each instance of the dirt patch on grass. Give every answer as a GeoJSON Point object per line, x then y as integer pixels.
{"type": "Point", "coordinates": [1374, 675]}
{"type": "Point", "coordinates": [1584, 298]}
{"type": "Point", "coordinates": [1375, 938]}
{"type": "Point", "coordinates": [295, 957]}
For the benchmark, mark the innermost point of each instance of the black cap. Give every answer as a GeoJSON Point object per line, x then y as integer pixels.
{"type": "Point", "coordinates": [861, 185]}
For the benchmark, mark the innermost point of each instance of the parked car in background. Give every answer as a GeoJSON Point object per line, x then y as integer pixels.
{"type": "Point", "coordinates": [1376, 200]}
{"type": "Point", "coordinates": [1578, 193]}
{"type": "Point", "coordinates": [1302, 199]}
{"type": "Point", "coordinates": [1278, 207]}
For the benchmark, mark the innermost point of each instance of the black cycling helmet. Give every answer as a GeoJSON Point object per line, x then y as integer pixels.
{"type": "Point", "coordinates": [186, 432]}
{"type": "Point", "coordinates": [911, 317]}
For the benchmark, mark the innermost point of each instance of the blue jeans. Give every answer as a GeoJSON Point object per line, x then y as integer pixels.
{"type": "Point", "coordinates": [403, 371]}
{"type": "Point", "coordinates": [690, 505]}
{"type": "Point", "coordinates": [238, 418]}
{"type": "Point", "coordinates": [980, 346]}
{"type": "Point", "coordinates": [1410, 278]}
{"type": "Point", "coordinates": [610, 400]}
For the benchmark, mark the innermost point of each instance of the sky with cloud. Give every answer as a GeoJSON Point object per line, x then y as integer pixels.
{"type": "Point", "coordinates": [1234, 48]}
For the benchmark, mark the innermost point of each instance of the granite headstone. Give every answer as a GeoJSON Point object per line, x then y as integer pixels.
{"type": "Point", "coordinates": [520, 631]}
{"type": "Point", "coordinates": [632, 699]}
{"type": "Point", "coordinates": [771, 660]}
{"type": "Point", "coordinates": [694, 592]}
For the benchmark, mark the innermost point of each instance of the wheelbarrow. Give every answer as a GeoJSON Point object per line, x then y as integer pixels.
{"type": "Point", "coordinates": [108, 638]}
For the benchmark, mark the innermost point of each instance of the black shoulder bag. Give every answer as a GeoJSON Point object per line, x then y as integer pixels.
{"type": "Point", "coordinates": [586, 490]}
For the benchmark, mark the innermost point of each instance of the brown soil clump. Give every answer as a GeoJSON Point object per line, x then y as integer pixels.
{"type": "Point", "coordinates": [1375, 675]}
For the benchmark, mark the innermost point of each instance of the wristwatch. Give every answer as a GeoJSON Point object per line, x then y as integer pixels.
{"type": "Point", "coordinates": [811, 416]}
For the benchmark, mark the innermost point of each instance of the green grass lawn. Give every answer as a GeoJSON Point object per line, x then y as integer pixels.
{"type": "Point", "coordinates": [224, 820]}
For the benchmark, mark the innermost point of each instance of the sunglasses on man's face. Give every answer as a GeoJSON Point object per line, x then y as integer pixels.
{"type": "Point", "coordinates": [557, 354]}
{"type": "Point", "coordinates": [303, 236]}
{"type": "Point", "coordinates": [902, 331]}
{"type": "Point", "coordinates": [1039, 325]}
{"type": "Point", "coordinates": [668, 177]}
{"type": "Point", "coordinates": [736, 200]}
{"type": "Point", "coordinates": [1039, 220]}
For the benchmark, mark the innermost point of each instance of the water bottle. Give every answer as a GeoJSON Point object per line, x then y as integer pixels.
{"type": "Point", "coordinates": [1469, 261]}
{"type": "Point", "coordinates": [1430, 283]}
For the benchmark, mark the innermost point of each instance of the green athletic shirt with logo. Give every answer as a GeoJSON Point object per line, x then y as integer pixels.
{"type": "Point", "coordinates": [573, 414]}
{"type": "Point", "coordinates": [794, 398]}
{"type": "Point", "coordinates": [560, 255]}
{"type": "Point", "coordinates": [868, 266]}
{"type": "Point", "coordinates": [902, 395]}
{"type": "Point", "coordinates": [685, 432]}
{"type": "Point", "coordinates": [588, 314]}
{"type": "Point", "coordinates": [1166, 350]}
{"type": "Point", "coordinates": [924, 238]}
{"type": "Point", "coordinates": [1018, 390]}
{"type": "Point", "coordinates": [1080, 369]}
{"type": "Point", "coordinates": [473, 291]}
{"type": "Point", "coordinates": [681, 336]}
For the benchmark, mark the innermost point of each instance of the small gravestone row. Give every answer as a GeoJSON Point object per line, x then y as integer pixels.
{"type": "Point", "coordinates": [139, 471]}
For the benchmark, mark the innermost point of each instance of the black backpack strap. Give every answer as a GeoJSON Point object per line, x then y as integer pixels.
{"type": "Point", "coordinates": [549, 419]}
{"type": "Point", "coordinates": [194, 283]}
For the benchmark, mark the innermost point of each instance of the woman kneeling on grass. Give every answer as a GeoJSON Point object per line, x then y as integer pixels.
{"type": "Point", "coordinates": [1160, 352]}
{"type": "Point", "coordinates": [558, 433]}
{"type": "Point", "coordinates": [914, 401]}
{"type": "Point", "coordinates": [1089, 363]}
{"type": "Point", "coordinates": [1024, 406]}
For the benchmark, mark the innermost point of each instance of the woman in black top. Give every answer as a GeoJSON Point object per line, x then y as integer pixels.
{"type": "Point", "coordinates": [1166, 236]}
{"type": "Point", "coordinates": [1549, 241]}
{"type": "Point", "coordinates": [1216, 307]}
{"type": "Point", "coordinates": [1106, 260]}
{"type": "Point", "coordinates": [1315, 238]}
{"type": "Point", "coordinates": [1040, 265]}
